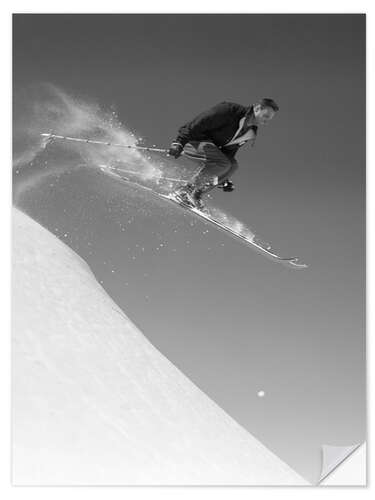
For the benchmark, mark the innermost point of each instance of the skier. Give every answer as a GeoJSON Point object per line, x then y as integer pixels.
{"type": "Point", "coordinates": [213, 138]}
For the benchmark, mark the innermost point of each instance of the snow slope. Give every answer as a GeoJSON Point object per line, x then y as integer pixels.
{"type": "Point", "coordinates": [95, 403]}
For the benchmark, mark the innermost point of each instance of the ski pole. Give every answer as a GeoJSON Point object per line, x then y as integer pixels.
{"type": "Point", "coordinates": [92, 141]}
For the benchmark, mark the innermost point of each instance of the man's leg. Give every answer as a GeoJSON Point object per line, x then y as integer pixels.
{"type": "Point", "coordinates": [216, 165]}
{"type": "Point", "coordinates": [225, 182]}
{"type": "Point", "coordinates": [231, 171]}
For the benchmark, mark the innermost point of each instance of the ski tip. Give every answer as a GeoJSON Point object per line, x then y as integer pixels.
{"type": "Point", "coordinates": [295, 263]}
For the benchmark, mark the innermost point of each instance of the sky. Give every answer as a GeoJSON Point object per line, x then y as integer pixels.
{"type": "Point", "coordinates": [231, 320]}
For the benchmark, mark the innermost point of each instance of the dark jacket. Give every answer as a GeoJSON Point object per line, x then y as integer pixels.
{"type": "Point", "coordinates": [217, 125]}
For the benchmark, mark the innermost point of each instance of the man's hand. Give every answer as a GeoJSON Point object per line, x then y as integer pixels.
{"type": "Point", "coordinates": [175, 150]}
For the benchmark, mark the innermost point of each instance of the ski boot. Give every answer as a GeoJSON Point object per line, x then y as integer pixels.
{"type": "Point", "coordinates": [203, 186]}
{"type": "Point", "coordinates": [227, 186]}
{"type": "Point", "coordinates": [197, 196]}
{"type": "Point", "coordinates": [185, 195]}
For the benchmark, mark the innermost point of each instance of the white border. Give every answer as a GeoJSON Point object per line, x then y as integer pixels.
{"type": "Point", "coordinates": [119, 6]}
{"type": "Point", "coordinates": [208, 6]}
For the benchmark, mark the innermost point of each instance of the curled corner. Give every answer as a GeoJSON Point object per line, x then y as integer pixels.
{"type": "Point", "coordinates": [343, 465]}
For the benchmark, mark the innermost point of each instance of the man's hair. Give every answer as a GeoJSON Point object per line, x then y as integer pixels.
{"type": "Point", "coordinates": [267, 102]}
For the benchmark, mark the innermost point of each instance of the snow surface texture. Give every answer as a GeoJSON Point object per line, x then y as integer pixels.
{"type": "Point", "coordinates": [95, 403]}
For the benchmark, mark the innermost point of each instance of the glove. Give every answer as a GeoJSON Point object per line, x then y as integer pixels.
{"type": "Point", "coordinates": [227, 186]}
{"type": "Point", "coordinates": [175, 150]}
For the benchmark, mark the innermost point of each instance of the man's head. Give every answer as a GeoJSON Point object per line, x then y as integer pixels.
{"type": "Point", "coordinates": [265, 110]}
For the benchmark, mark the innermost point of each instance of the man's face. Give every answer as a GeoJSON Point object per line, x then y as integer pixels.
{"type": "Point", "coordinates": [263, 114]}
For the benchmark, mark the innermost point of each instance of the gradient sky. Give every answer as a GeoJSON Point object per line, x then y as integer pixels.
{"type": "Point", "coordinates": [231, 320]}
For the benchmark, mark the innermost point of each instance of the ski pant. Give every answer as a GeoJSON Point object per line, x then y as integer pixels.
{"type": "Point", "coordinates": [216, 168]}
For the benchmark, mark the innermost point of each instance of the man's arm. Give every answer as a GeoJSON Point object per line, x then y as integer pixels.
{"type": "Point", "coordinates": [213, 118]}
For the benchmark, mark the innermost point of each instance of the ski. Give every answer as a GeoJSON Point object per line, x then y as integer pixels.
{"type": "Point", "coordinates": [251, 240]}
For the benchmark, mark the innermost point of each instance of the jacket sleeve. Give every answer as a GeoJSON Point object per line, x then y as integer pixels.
{"type": "Point", "coordinates": [211, 119]}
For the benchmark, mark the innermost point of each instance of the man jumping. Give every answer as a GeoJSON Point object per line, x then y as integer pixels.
{"type": "Point", "coordinates": [213, 138]}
